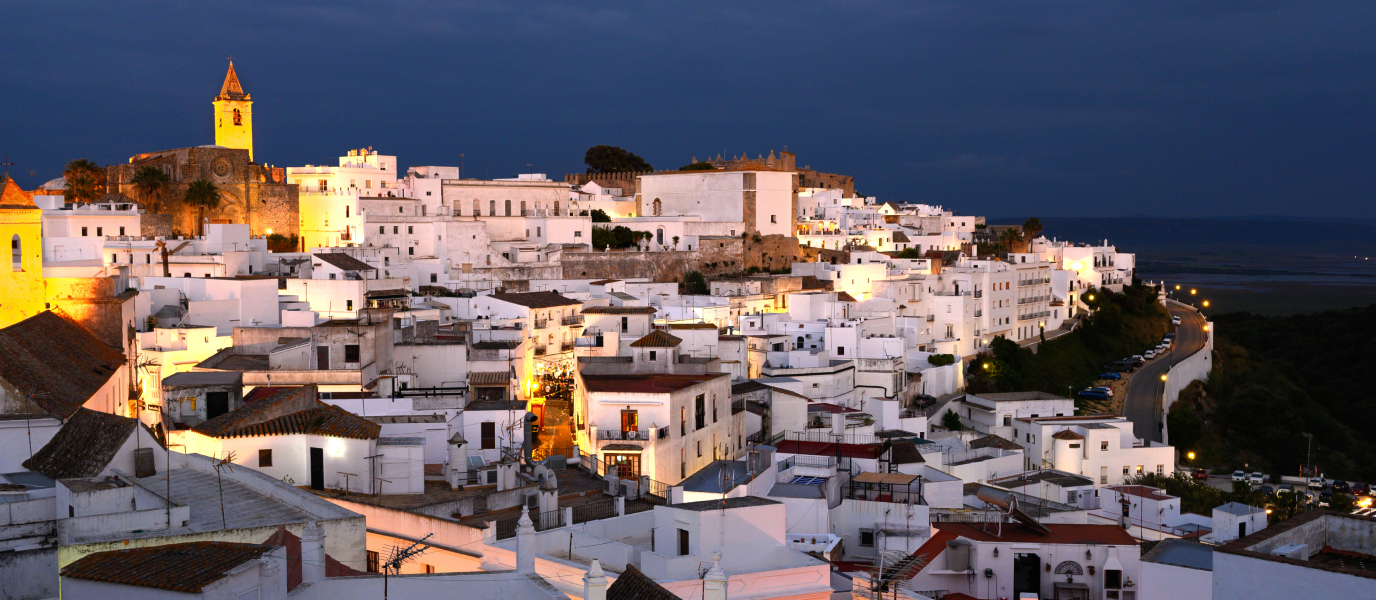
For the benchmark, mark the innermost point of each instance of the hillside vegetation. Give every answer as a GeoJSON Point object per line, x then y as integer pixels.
{"type": "Point", "coordinates": [1277, 378]}
{"type": "Point", "coordinates": [1121, 325]}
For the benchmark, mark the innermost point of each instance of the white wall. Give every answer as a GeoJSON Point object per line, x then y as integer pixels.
{"type": "Point", "coordinates": [1242, 578]}
{"type": "Point", "coordinates": [1169, 582]}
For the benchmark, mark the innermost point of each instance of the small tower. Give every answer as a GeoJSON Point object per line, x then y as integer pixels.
{"type": "Point", "coordinates": [234, 115]}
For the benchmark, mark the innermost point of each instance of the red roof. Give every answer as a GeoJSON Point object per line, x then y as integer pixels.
{"type": "Point", "coordinates": [934, 546]}
{"type": "Point", "coordinates": [644, 384]}
{"type": "Point", "coordinates": [187, 567]}
{"type": "Point", "coordinates": [333, 568]}
{"type": "Point", "coordinates": [830, 449]}
{"type": "Point", "coordinates": [1107, 535]}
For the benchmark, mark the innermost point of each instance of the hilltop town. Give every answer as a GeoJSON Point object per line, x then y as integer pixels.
{"type": "Point", "coordinates": [741, 379]}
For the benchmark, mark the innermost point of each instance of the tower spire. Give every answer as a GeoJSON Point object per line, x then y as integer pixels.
{"type": "Point", "coordinates": [231, 90]}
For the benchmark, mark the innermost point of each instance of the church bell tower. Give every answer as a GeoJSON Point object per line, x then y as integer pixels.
{"type": "Point", "coordinates": [234, 115]}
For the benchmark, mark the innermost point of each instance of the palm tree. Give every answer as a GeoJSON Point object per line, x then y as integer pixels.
{"type": "Point", "coordinates": [203, 195]}
{"type": "Point", "coordinates": [1032, 228]}
{"type": "Point", "coordinates": [85, 181]}
{"type": "Point", "coordinates": [1011, 239]}
{"type": "Point", "coordinates": [151, 183]}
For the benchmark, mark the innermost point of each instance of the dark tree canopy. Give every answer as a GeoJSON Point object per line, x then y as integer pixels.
{"type": "Point", "coordinates": [600, 216]}
{"type": "Point", "coordinates": [614, 159]}
{"type": "Point", "coordinates": [698, 166]}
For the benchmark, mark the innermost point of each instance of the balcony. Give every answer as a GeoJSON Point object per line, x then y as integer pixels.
{"type": "Point", "coordinates": [572, 320]}
{"type": "Point", "coordinates": [979, 293]}
{"type": "Point", "coordinates": [931, 318]}
{"type": "Point", "coordinates": [539, 351]}
{"type": "Point", "coordinates": [640, 435]}
{"type": "Point", "coordinates": [566, 346]}
{"type": "Point", "coordinates": [979, 313]}
{"type": "Point", "coordinates": [541, 324]}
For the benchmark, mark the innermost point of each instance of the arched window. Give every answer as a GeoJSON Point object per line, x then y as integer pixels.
{"type": "Point", "coordinates": [17, 253]}
{"type": "Point", "coordinates": [491, 208]}
{"type": "Point", "coordinates": [657, 207]}
{"type": "Point", "coordinates": [477, 208]}
{"type": "Point", "coordinates": [800, 341]}
{"type": "Point", "coordinates": [659, 236]}
{"type": "Point", "coordinates": [523, 208]}
{"type": "Point", "coordinates": [508, 208]}
{"type": "Point", "coordinates": [238, 119]}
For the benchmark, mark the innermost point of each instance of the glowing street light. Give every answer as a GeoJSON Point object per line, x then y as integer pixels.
{"type": "Point", "coordinates": [1163, 377]}
{"type": "Point", "coordinates": [1177, 286]}
{"type": "Point", "coordinates": [1206, 328]}
{"type": "Point", "coordinates": [1206, 304]}
{"type": "Point", "coordinates": [1091, 296]}
{"type": "Point", "coordinates": [986, 365]}
{"type": "Point", "coordinates": [1191, 455]}
{"type": "Point", "coordinates": [1193, 291]}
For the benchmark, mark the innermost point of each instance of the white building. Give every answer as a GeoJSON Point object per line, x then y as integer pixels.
{"type": "Point", "coordinates": [726, 202]}
{"type": "Point", "coordinates": [1311, 553]}
{"type": "Point", "coordinates": [1102, 448]}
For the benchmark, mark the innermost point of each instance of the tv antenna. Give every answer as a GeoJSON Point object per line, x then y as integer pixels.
{"type": "Point", "coordinates": [400, 556]}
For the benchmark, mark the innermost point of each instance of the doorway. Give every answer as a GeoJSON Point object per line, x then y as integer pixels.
{"type": "Point", "coordinates": [216, 404]}
{"type": "Point", "coordinates": [1027, 574]}
{"type": "Point", "coordinates": [317, 468]}
{"type": "Point", "coordinates": [322, 358]}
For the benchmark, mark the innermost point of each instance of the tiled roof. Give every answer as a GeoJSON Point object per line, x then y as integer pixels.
{"type": "Point", "coordinates": [62, 373]}
{"type": "Point", "coordinates": [845, 297]}
{"type": "Point", "coordinates": [644, 384]}
{"type": "Point", "coordinates": [1066, 434]}
{"type": "Point", "coordinates": [344, 262]}
{"type": "Point", "coordinates": [603, 281]}
{"type": "Point", "coordinates": [292, 411]}
{"type": "Point", "coordinates": [905, 452]}
{"type": "Point", "coordinates": [634, 585]}
{"type": "Point", "coordinates": [186, 567]}
{"type": "Point", "coordinates": [536, 299]}
{"type": "Point", "coordinates": [657, 339]}
{"type": "Point", "coordinates": [619, 310]}
{"type": "Point", "coordinates": [692, 326]}
{"type": "Point", "coordinates": [933, 547]}
{"type": "Point", "coordinates": [489, 377]}
{"type": "Point", "coordinates": [899, 237]}
{"type": "Point", "coordinates": [994, 441]}
{"type": "Point", "coordinates": [83, 447]}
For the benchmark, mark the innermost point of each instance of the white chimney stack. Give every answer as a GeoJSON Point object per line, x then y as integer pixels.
{"type": "Point", "coordinates": [458, 461]}
{"type": "Point", "coordinates": [312, 553]}
{"type": "Point", "coordinates": [525, 543]}
{"type": "Point", "coordinates": [714, 582]}
{"type": "Point", "coordinates": [595, 582]}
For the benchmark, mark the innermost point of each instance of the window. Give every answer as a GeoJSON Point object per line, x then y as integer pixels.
{"type": "Point", "coordinates": [332, 275]}
{"type": "Point", "coordinates": [1103, 446]}
{"type": "Point", "coordinates": [374, 562]}
{"type": "Point", "coordinates": [508, 208]}
{"type": "Point", "coordinates": [1139, 470]}
{"type": "Point", "coordinates": [866, 538]}
{"type": "Point", "coordinates": [17, 253]}
{"type": "Point", "coordinates": [434, 278]}
{"type": "Point", "coordinates": [381, 229]}
{"type": "Point", "coordinates": [411, 251]}
{"type": "Point", "coordinates": [714, 409]}
{"type": "Point", "coordinates": [491, 208]}
{"type": "Point", "coordinates": [489, 435]}
{"type": "Point", "coordinates": [348, 305]}
{"type": "Point", "coordinates": [83, 232]}
{"type": "Point", "coordinates": [699, 445]}
{"type": "Point", "coordinates": [100, 231]}
{"type": "Point", "coordinates": [238, 118]}
{"type": "Point", "coordinates": [264, 458]}
{"type": "Point", "coordinates": [1160, 470]}
{"type": "Point", "coordinates": [428, 568]}
{"type": "Point", "coordinates": [1103, 475]}
{"type": "Point", "coordinates": [578, 233]}
{"type": "Point", "coordinates": [701, 404]}
{"type": "Point", "coordinates": [683, 421]}
{"type": "Point", "coordinates": [1125, 470]}
{"type": "Point", "coordinates": [840, 351]}
{"type": "Point", "coordinates": [410, 229]}
{"type": "Point", "coordinates": [121, 231]}
{"type": "Point", "coordinates": [683, 542]}
{"type": "Point", "coordinates": [351, 353]}
{"type": "Point", "coordinates": [624, 324]}
{"type": "Point", "coordinates": [652, 355]}
{"type": "Point", "coordinates": [396, 229]}
{"type": "Point", "coordinates": [1007, 420]}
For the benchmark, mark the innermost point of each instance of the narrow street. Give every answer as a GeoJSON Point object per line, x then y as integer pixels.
{"type": "Point", "coordinates": [1142, 400]}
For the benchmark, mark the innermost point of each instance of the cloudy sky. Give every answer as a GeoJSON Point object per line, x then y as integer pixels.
{"type": "Point", "coordinates": [1001, 108]}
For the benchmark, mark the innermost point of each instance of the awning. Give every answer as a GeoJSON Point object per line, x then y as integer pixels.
{"type": "Point", "coordinates": [622, 448]}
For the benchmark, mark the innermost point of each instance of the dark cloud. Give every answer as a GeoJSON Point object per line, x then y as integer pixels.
{"type": "Point", "coordinates": [999, 107]}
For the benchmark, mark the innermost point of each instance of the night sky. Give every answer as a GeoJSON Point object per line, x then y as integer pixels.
{"type": "Point", "coordinates": [999, 108]}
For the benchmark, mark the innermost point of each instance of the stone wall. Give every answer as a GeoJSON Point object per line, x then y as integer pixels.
{"type": "Point", "coordinates": [715, 257]}
{"type": "Point", "coordinates": [95, 304]}
{"type": "Point", "coordinates": [156, 225]}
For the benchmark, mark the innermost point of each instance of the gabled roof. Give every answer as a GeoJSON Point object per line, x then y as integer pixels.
{"type": "Point", "coordinates": [489, 377]}
{"type": "Point", "coordinates": [845, 297]}
{"type": "Point", "coordinates": [1066, 434]}
{"type": "Point", "coordinates": [344, 262]}
{"type": "Point", "coordinates": [83, 447]}
{"type": "Point", "coordinates": [994, 441]}
{"type": "Point", "coordinates": [900, 237]}
{"type": "Point", "coordinates": [536, 299]}
{"type": "Point", "coordinates": [619, 310]}
{"type": "Point", "coordinates": [904, 452]}
{"type": "Point", "coordinates": [291, 411]}
{"type": "Point", "coordinates": [634, 585]}
{"type": "Point", "coordinates": [187, 567]}
{"type": "Point", "coordinates": [61, 373]}
{"type": "Point", "coordinates": [657, 339]}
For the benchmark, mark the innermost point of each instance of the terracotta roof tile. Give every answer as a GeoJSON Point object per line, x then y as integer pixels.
{"type": "Point", "coordinates": [634, 585]}
{"type": "Point", "coordinates": [344, 262]}
{"type": "Point", "coordinates": [657, 339]}
{"type": "Point", "coordinates": [291, 411]}
{"type": "Point", "coordinates": [64, 371]}
{"type": "Point", "coordinates": [644, 384]}
{"type": "Point", "coordinates": [994, 441]}
{"type": "Point", "coordinates": [15, 198]}
{"type": "Point", "coordinates": [83, 447]}
{"type": "Point", "coordinates": [1066, 434]}
{"type": "Point", "coordinates": [292, 542]}
{"type": "Point", "coordinates": [619, 310]}
{"type": "Point", "coordinates": [186, 567]}
{"type": "Point", "coordinates": [537, 299]}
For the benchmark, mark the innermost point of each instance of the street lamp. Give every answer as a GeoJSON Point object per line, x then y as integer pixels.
{"type": "Point", "coordinates": [1177, 286]}
{"type": "Point", "coordinates": [1193, 291]}
{"type": "Point", "coordinates": [1163, 377]}
{"type": "Point", "coordinates": [1206, 304]}
{"type": "Point", "coordinates": [1190, 455]}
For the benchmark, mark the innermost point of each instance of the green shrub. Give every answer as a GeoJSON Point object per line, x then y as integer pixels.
{"type": "Point", "coordinates": [941, 360]}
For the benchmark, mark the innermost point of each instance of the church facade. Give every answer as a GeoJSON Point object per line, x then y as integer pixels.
{"type": "Point", "coordinates": [250, 193]}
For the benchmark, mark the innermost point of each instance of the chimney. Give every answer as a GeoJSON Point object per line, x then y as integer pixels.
{"type": "Point", "coordinates": [272, 577]}
{"type": "Point", "coordinates": [458, 461]}
{"type": "Point", "coordinates": [525, 543]}
{"type": "Point", "coordinates": [595, 582]}
{"type": "Point", "coordinates": [312, 553]}
{"type": "Point", "coordinates": [714, 582]}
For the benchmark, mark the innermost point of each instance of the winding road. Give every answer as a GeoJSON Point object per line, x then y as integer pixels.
{"type": "Point", "coordinates": [1142, 400]}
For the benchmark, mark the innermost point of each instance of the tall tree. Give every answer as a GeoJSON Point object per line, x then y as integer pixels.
{"type": "Point", "coordinates": [1031, 228]}
{"type": "Point", "coordinates": [1011, 239]}
{"type": "Point", "coordinates": [85, 181]}
{"type": "Point", "coordinates": [151, 183]}
{"type": "Point", "coordinates": [203, 195]}
{"type": "Point", "coordinates": [613, 159]}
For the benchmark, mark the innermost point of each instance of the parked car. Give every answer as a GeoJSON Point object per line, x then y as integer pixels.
{"type": "Point", "coordinates": [1316, 483]}
{"type": "Point", "coordinates": [1360, 489]}
{"type": "Point", "coordinates": [1175, 320]}
{"type": "Point", "coordinates": [925, 400]}
{"type": "Point", "coordinates": [1285, 488]}
{"type": "Point", "coordinates": [1113, 375]}
{"type": "Point", "coordinates": [1239, 476]}
{"type": "Point", "coordinates": [1092, 394]}
{"type": "Point", "coordinates": [1122, 366]}
{"type": "Point", "coordinates": [1138, 360]}
{"type": "Point", "coordinates": [1266, 491]}
{"type": "Point", "coordinates": [1341, 487]}
{"type": "Point", "coordinates": [1150, 354]}
{"type": "Point", "coordinates": [1106, 390]}
{"type": "Point", "coordinates": [1325, 497]}
{"type": "Point", "coordinates": [1201, 473]}
{"type": "Point", "coordinates": [1170, 336]}
{"type": "Point", "coordinates": [1256, 479]}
